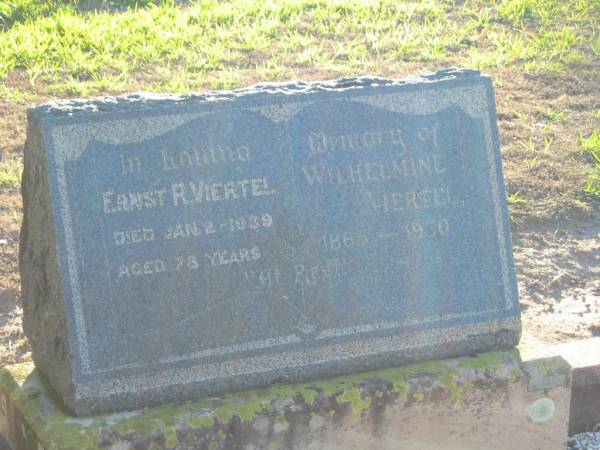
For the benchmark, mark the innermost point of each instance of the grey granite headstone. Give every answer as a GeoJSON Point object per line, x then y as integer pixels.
{"type": "Point", "coordinates": [178, 246]}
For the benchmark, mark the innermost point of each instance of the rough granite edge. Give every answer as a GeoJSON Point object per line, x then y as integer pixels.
{"type": "Point", "coordinates": [138, 101]}
{"type": "Point", "coordinates": [44, 318]}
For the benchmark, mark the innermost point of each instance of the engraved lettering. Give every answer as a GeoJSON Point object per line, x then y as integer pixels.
{"type": "Point", "coordinates": [184, 193]}
{"type": "Point", "coordinates": [422, 199]}
{"type": "Point", "coordinates": [199, 157]}
{"type": "Point", "coordinates": [126, 237]}
{"type": "Point", "coordinates": [227, 257]}
{"type": "Point", "coordinates": [114, 202]}
{"type": "Point", "coordinates": [372, 171]}
{"type": "Point", "coordinates": [321, 143]}
{"type": "Point", "coordinates": [429, 134]}
{"type": "Point", "coordinates": [130, 164]}
{"type": "Point", "coordinates": [142, 268]}
{"type": "Point", "coordinates": [318, 272]}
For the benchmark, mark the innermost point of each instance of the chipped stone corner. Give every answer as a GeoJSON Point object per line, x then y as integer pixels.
{"type": "Point", "coordinates": [547, 372]}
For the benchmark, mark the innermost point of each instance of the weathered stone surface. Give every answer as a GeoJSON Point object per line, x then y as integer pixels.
{"type": "Point", "coordinates": [178, 246]}
{"type": "Point", "coordinates": [487, 402]}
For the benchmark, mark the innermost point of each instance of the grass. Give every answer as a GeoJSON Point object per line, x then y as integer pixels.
{"type": "Point", "coordinates": [10, 172]}
{"type": "Point", "coordinates": [556, 116]}
{"type": "Point", "coordinates": [89, 47]}
{"type": "Point", "coordinates": [85, 47]}
{"type": "Point", "coordinates": [516, 198]}
{"type": "Point", "coordinates": [515, 201]}
{"type": "Point", "coordinates": [590, 145]}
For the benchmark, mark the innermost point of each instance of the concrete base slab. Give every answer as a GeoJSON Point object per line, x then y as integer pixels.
{"type": "Point", "coordinates": [493, 401]}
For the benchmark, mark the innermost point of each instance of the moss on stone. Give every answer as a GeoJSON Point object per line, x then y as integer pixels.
{"type": "Point", "coordinates": [310, 395]}
{"type": "Point", "coordinates": [245, 410]}
{"type": "Point", "coordinates": [450, 383]}
{"type": "Point", "coordinates": [515, 375]}
{"type": "Point", "coordinates": [489, 361]}
{"type": "Point", "coordinates": [403, 388]}
{"type": "Point", "coordinates": [170, 437]}
{"type": "Point", "coordinates": [419, 396]}
{"type": "Point", "coordinates": [200, 420]}
{"type": "Point", "coordinates": [355, 398]}
{"type": "Point", "coordinates": [52, 427]}
{"type": "Point", "coordinates": [545, 365]}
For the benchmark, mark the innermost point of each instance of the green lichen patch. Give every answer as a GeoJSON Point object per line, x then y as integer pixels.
{"type": "Point", "coordinates": [489, 361]}
{"type": "Point", "coordinates": [245, 410]}
{"type": "Point", "coordinates": [545, 366]}
{"type": "Point", "coordinates": [403, 388]}
{"type": "Point", "coordinates": [449, 381]}
{"type": "Point", "coordinates": [200, 420]}
{"type": "Point", "coordinates": [355, 397]}
{"type": "Point", "coordinates": [419, 396]}
{"type": "Point", "coordinates": [515, 375]}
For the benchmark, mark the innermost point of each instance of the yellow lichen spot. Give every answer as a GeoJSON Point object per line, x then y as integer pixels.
{"type": "Point", "coordinates": [309, 396]}
{"type": "Point", "coordinates": [545, 365]}
{"type": "Point", "coordinates": [200, 421]}
{"type": "Point", "coordinates": [515, 375]}
{"type": "Point", "coordinates": [402, 387]}
{"type": "Point", "coordinates": [450, 383]}
{"type": "Point", "coordinates": [170, 437]}
{"type": "Point", "coordinates": [354, 396]}
{"type": "Point", "coordinates": [489, 361]}
{"type": "Point", "coordinates": [223, 414]}
{"type": "Point", "coordinates": [419, 396]}
{"type": "Point", "coordinates": [246, 410]}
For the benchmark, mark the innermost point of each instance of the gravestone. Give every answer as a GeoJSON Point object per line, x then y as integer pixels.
{"type": "Point", "coordinates": [180, 246]}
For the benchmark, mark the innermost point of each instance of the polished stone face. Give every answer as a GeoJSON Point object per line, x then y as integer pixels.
{"type": "Point", "coordinates": [278, 233]}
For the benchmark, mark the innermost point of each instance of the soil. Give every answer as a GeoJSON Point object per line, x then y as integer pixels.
{"type": "Point", "coordinates": [556, 230]}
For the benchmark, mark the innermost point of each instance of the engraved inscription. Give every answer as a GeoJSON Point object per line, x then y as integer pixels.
{"type": "Point", "coordinates": [401, 201]}
{"type": "Point", "coordinates": [373, 171]}
{"type": "Point", "coordinates": [296, 228]}
{"type": "Point", "coordinates": [200, 157]}
{"type": "Point", "coordinates": [130, 165]}
{"type": "Point", "coordinates": [115, 202]}
{"type": "Point", "coordinates": [201, 191]}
